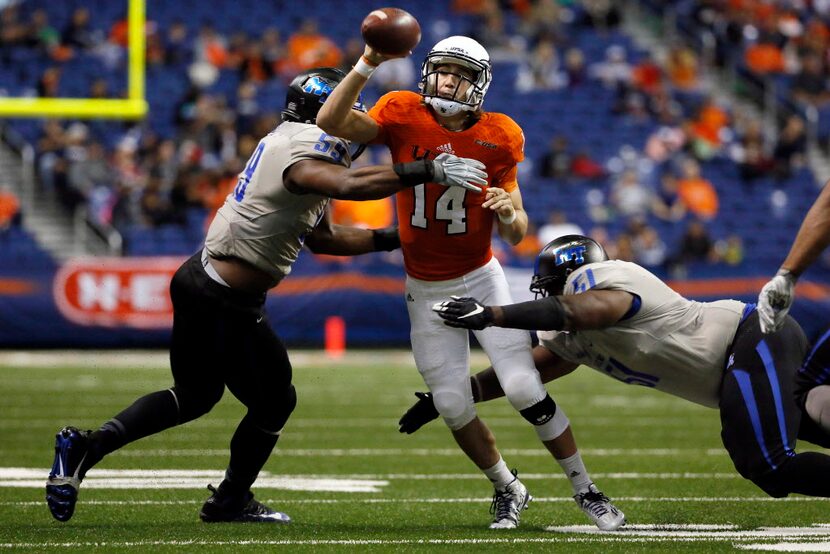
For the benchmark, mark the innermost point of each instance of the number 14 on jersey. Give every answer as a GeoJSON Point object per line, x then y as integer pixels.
{"type": "Point", "coordinates": [449, 207]}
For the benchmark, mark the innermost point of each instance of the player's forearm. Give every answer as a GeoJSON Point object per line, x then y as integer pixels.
{"type": "Point", "coordinates": [813, 236]}
{"type": "Point", "coordinates": [380, 181]}
{"type": "Point", "coordinates": [515, 231]}
{"type": "Point", "coordinates": [336, 117]}
{"type": "Point", "coordinates": [343, 241]}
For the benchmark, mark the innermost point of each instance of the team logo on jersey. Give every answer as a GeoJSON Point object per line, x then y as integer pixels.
{"type": "Point", "coordinates": [446, 148]}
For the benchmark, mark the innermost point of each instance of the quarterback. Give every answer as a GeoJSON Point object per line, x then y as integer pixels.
{"type": "Point", "coordinates": [619, 319]}
{"type": "Point", "coordinates": [445, 238]}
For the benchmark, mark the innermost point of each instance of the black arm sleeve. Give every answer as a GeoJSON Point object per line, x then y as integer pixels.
{"type": "Point", "coordinates": [415, 173]}
{"type": "Point", "coordinates": [544, 314]}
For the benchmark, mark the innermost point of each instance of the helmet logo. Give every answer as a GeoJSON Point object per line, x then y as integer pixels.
{"type": "Point", "coordinates": [575, 253]}
{"type": "Point", "coordinates": [318, 87]}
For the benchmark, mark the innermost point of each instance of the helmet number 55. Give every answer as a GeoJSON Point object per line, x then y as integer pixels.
{"type": "Point", "coordinates": [449, 207]}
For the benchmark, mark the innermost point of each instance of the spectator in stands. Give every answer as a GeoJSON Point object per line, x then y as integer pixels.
{"type": "Point", "coordinates": [574, 67]}
{"type": "Point", "coordinates": [78, 33]}
{"type": "Point", "coordinates": [810, 85]}
{"type": "Point", "coordinates": [665, 142]}
{"type": "Point", "coordinates": [273, 51]}
{"type": "Point", "coordinates": [307, 48]}
{"type": "Point", "coordinates": [542, 21]}
{"type": "Point", "coordinates": [791, 149]}
{"type": "Point", "coordinates": [210, 47]}
{"type": "Point", "coordinates": [696, 245]}
{"type": "Point", "coordinates": [649, 249]}
{"type": "Point", "coordinates": [490, 31]}
{"type": "Point", "coordinates": [646, 75]}
{"type": "Point", "coordinates": [540, 70]}
{"type": "Point", "coordinates": [86, 173]}
{"type": "Point", "coordinates": [12, 30]}
{"type": "Point", "coordinates": [177, 48]}
{"type": "Point", "coordinates": [600, 14]}
{"type": "Point", "coordinates": [749, 152]}
{"type": "Point", "coordinates": [48, 86]}
{"type": "Point", "coordinates": [155, 204]}
{"type": "Point", "coordinates": [556, 163]}
{"type": "Point", "coordinates": [582, 165]}
{"type": "Point", "coordinates": [528, 248]}
{"type": "Point", "coordinates": [667, 204]}
{"type": "Point", "coordinates": [629, 196]}
{"type": "Point", "coordinates": [9, 209]}
{"type": "Point", "coordinates": [706, 130]}
{"type": "Point", "coordinates": [731, 250]}
{"type": "Point", "coordinates": [697, 192]}
{"type": "Point", "coordinates": [615, 71]}
{"type": "Point", "coordinates": [682, 68]}
{"type": "Point", "coordinates": [557, 226]}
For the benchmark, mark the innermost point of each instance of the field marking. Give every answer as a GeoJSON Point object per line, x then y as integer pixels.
{"type": "Point", "coordinates": [792, 533]}
{"type": "Point", "coordinates": [21, 477]}
{"type": "Point", "coordinates": [787, 546]}
{"type": "Point", "coordinates": [481, 500]}
{"type": "Point", "coordinates": [685, 531]}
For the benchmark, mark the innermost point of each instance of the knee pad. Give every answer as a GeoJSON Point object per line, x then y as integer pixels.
{"type": "Point", "coordinates": [549, 420]}
{"type": "Point", "coordinates": [194, 403]}
{"type": "Point", "coordinates": [523, 392]}
{"type": "Point", "coordinates": [456, 410]}
{"type": "Point", "coordinates": [273, 417]}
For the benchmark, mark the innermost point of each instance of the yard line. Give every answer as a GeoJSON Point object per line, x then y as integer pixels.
{"type": "Point", "coordinates": [352, 500]}
{"type": "Point", "coordinates": [602, 536]}
{"type": "Point", "coordinates": [371, 452]}
{"type": "Point", "coordinates": [177, 478]}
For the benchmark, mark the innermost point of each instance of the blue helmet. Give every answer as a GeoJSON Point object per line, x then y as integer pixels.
{"type": "Point", "coordinates": [561, 257]}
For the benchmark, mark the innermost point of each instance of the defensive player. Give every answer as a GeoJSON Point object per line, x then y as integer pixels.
{"type": "Point", "coordinates": [622, 321]}
{"type": "Point", "coordinates": [813, 380]}
{"type": "Point", "coordinates": [445, 238]}
{"type": "Point", "coordinates": [221, 336]}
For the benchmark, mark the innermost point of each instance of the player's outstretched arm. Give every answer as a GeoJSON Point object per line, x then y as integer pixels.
{"type": "Point", "coordinates": [485, 387]}
{"type": "Point", "coordinates": [373, 182]}
{"type": "Point", "coordinates": [593, 309]}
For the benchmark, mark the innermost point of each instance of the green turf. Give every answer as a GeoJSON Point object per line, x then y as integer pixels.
{"type": "Point", "coordinates": [345, 425]}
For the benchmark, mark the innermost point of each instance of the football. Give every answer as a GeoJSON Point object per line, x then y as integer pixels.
{"type": "Point", "coordinates": [391, 31]}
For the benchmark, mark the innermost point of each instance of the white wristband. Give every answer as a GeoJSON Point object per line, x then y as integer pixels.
{"type": "Point", "coordinates": [364, 68]}
{"type": "Point", "coordinates": [509, 219]}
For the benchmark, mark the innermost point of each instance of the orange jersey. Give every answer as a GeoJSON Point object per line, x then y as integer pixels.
{"type": "Point", "coordinates": [445, 233]}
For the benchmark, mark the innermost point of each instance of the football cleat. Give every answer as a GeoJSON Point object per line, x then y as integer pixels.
{"type": "Point", "coordinates": [242, 509]}
{"type": "Point", "coordinates": [508, 503]}
{"type": "Point", "coordinates": [598, 507]}
{"type": "Point", "coordinates": [65, 477]}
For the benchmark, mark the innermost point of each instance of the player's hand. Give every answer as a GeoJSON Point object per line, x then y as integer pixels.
{"type": "Point", "coordinates": [464, 312]}
{"type": "Point", "coordinates": [452, 171]}
{"type": "Point", "coordinates": [499, 200]}
{"type": "Point", "coordinates": [775, 300]}
{"type": "Point", "coordinates": [421, 413]}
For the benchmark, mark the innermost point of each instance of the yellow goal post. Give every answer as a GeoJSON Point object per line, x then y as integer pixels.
{"type": "Point", "coordinates": [132, 107]}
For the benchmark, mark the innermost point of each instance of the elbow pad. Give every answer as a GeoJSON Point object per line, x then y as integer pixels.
{"type": "Point", "coordinates": [415, 173]}
{"type": "Point", "coordinates": [544, 314]}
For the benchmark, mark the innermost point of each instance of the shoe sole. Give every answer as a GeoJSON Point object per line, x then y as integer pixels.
{"type": "Point", "coordinates": [61, 499]}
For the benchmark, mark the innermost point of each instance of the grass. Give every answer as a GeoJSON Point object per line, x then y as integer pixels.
{"type": "Point", "coordinates": [659, 458]}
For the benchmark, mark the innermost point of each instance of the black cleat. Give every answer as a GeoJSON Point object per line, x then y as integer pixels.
{"type": "Point", "coordinates": [242, 509]}
{"type": "Point", "coordinates": [65, 477]}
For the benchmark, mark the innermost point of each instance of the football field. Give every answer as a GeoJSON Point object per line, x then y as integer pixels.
{"type": "Point", "coordinates": [352, 483]}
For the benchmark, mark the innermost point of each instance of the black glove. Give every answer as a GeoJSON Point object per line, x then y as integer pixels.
{"type": "Point", "coordinates": [466, 312]}
{"type": "Point", "coordinates": [421, 413]}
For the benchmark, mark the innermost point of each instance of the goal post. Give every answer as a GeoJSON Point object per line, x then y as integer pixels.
{"type": "Point", "coordinates": [132, 107]}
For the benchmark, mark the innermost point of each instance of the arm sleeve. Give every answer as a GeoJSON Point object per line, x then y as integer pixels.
{"type": "Point", "coordinates": [546, 314]}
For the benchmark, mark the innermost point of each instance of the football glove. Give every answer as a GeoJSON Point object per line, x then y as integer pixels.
{"type": "Point", "coordinates": [464, 312]}
{"type": "Point", "coordinates": [775, 300]}
{"type": "Point", "coordinates": [421, 413]}
{"type": "Point", "coordinates": [452, 171]}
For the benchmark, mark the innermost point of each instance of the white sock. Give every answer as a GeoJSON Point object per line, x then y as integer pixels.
{"type": "Point", "coordinates": [575, 471]}
{"type": "Point", "coordinates": [499, 475]}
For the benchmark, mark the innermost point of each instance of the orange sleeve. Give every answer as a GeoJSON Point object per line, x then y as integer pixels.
{"type": "Point", "coordinates": [506, 175]}
{"type": "Point", "coordinates": [384, 112]}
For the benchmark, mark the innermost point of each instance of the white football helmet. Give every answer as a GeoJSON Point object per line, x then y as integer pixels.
{"type": "Point", "coordinates": [465, 52]}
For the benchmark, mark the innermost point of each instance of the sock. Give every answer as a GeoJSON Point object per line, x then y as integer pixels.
{"type": "Point", "coordinates": [499, 475]}
{"type": "Point", "coordinates": [146, 416]}
{"type": "Point", "coordinates": [575, 471]}
{"type": "Point", "coordinates": [250, 448]}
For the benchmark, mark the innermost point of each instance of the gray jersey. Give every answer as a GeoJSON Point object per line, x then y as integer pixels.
{"type": "Point", "coordinates": [262, 222]}
{"type": "Point", "coordinates": [670, 343]}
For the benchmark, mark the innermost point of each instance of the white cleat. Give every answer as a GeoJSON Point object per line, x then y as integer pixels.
{"type": "Point", "coordinates": [507, 504]}
{"type": "Point", "coordinates": [598, 507]}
